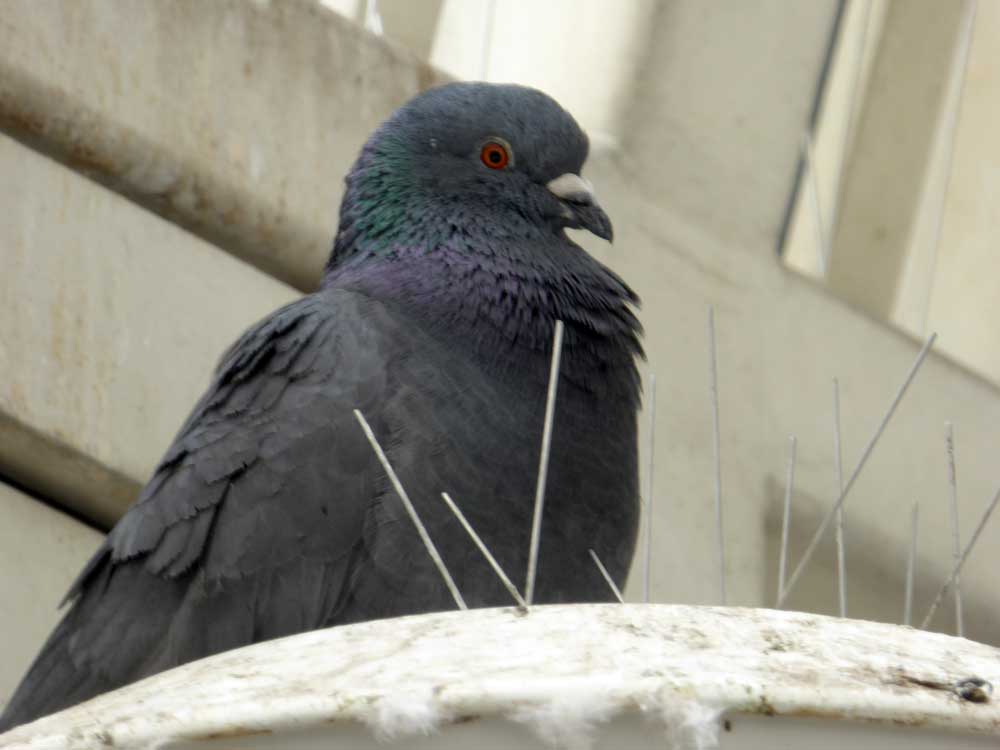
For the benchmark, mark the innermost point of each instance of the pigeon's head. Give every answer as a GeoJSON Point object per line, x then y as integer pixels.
{"type": "Point", "coordinates": [475, 159]}
{"type": "Point", "coordinates": [457, 210]}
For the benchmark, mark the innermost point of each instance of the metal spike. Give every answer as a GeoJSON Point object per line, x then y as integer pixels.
{"type": "Point", "coordinates": [714, 386]}
{"type": "Point", "coordinates": [786, 515]}
{"type": "Point", "coordinates": [818, 536]}
{"type": "Point", "coordinates": [486, 553]}
{"type": "Point", "coordinates": [961, 561]}
{"type": "Point", "coordinates": [421, 530]}
{"type": "Point", "coordinates": [956, 538]}
{"type": "Point", "coordinates": [543, 462]}
{"type": "Point", "coordinates": [911, 564]}
{"type": "Point", "coordinates": [607, 576]}
{"type": "Point", "coordinates": [839, 468]}
{"type": "Point", "coordinates": [650, 463]}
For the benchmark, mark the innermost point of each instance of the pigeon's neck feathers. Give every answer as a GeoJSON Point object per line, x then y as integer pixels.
{"type": "Point", "coordinates": [478, 273]}
{"type": "Point", "coordinates": [377, 203]}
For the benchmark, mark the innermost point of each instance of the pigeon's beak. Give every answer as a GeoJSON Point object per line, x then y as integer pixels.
{"type": "Point", "coordinates": [582, 211]}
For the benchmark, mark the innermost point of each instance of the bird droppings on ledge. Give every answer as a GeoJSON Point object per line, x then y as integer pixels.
{"type": "Point", "coordinates": [971, 689]}
{"type": "Point", "coordinates": [236, 731]}
{"type": "Point", "coordinates": [765, 707]}
{"type": "Point", "coordinates": [974, 689]}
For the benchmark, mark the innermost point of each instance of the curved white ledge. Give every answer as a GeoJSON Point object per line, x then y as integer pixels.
{"type": "Point", "coordinates": [562, 670]}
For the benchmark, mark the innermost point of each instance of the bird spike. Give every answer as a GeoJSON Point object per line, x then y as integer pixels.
{"type": "Point", "coordinates": [607, 576]}
{"type": "Point", "coordinates": [543, 462]}
{"type": "Point", "coordinates": [521, 604]}
{"type": "Point", "coordinates": [818, 536]}
{"type": "Point", "coordinates": [911, 564]}
{"type": "Point", "coordinates": [961, 561]}
{"type": "Point", "coordinates": [714, 388]}
{"type": "Point", "coordinates": [786, 515]}
{"type": "Point", "coordinates": [649, 487]}
{"type": "Point", "coordinates": [956, 537]}
{"type": "Point", "coordinates": [839, 471]}
{"type": "Point", "coordinates": [421, 530]}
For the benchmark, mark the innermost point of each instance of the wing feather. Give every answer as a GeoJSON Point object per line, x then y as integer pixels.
{"type": "Point", "coordinates": [250, 525]}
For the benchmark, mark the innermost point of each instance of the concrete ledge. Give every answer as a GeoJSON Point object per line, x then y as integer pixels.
{"type": "Point", "coordinates": [235, 120]}
{"type": "Point", "coordinates": [111, 321]}
{"type": "Point", "coordinates": [41, 552]}
{"type": "Point", "coordinates": [53, 466]}
{"type": "Point", "coordinates": [573, 676]}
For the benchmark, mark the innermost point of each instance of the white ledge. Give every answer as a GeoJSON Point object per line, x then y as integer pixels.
{"type": "Point", "coordinates": [560, 669]}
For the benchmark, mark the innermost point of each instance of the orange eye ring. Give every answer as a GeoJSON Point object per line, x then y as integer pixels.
{"type": "Point", "coordinates": [494, 155]}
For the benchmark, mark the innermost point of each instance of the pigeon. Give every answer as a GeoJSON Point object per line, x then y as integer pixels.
{"type": "Point", "coordinates": [270, 513]}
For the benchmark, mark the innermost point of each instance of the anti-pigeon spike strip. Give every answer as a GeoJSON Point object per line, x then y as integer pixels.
{"type": "Point", "coordinates": [421, 530]}
{"type": "Point", "coordinates": [961, 561]}
{"type": "Point", "coordinates": [543, 462]}
{"type": "Point", "coordinates": [818, 536]}
{"type": "Point", "coordinates": [508, 584]}
{"type": "Point", "coordinates": [607, 576]}
{"type": "Point", "coordinates": [786, 515]}
{"type": "Point", "coordinates": [650, 449]}
{"type": "Point", "coordinates": [911, 564]}
{"type": "Point", "coordinates": [839, 471]}
{"type": "Point", "coordinates": [714, 387]}
{"type": "Point", "coordinates": [956, 537]}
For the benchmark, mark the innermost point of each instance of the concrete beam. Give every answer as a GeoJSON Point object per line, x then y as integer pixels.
{"type": "Point", "coordinates": [111, 321]}
{"type": "Point", "coordinates": [964, 301]}
{"type": "Point", "coordinates": [238, 127]}
{"type": "Point", "coordinates": [883, 183]}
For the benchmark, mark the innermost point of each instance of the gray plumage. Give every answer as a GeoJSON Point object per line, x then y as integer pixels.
{"type": "Point", "coordinates": [270, 515]}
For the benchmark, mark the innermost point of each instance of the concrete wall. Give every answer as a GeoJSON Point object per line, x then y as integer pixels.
{"type": "Point", "coordinates": [111, 321]}
{"type": "Point", "coordinates": [178, 183]}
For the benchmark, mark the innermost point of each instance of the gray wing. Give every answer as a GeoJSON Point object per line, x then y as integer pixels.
{"type": "Point", "coordinates": [253, 522]}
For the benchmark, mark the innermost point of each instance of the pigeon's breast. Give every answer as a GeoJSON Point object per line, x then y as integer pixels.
{"type": "Point", "coordinates": [461, 426]}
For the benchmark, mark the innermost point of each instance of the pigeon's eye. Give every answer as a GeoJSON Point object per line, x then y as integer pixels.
{"type": "Point", "coordinates": [495, 155]}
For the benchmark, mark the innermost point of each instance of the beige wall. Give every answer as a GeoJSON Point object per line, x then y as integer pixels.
{"type": "Point", "coordinates": [111, 321]}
